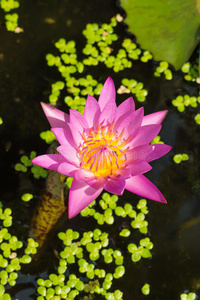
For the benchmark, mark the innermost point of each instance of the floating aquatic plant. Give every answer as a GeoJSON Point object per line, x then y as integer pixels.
{"type": "Point", "coordinates": [165, 28]}
{"type": "Point", "coordinates": [178, 158]}
{"type": "Point", "coordinates": [163, 68]}
{"type": "Point", "coordinates": [183, 102]}
{"type": "Point", "coordinates": [98, 50]}
{"type": "Point", "coordinates": [26, 163]}
{"type": "Point", "coordinates": [11, 19]}
{"type": "Point", "coordinates": [188, 296]}
{"type": "Point", "coordinates": [146, 289]}
{"type": "Point", "coordinates": [91, 252]}
{"type": "Point", "coordinates": [106, 148]}
{"type": "Point", "coordinates": [10, 258]}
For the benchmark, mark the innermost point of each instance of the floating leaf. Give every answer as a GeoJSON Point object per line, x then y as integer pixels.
{"type": "Point", "coordinates": [169, 29]}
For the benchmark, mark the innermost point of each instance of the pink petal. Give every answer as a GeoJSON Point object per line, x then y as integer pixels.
{"type": "Point", "coordinates": [70, 154]}
{"type": "Point", "coordinates": [158, 151]}
{"type": "Point", "coordinates": [145, 136]}
{"type": "Point", "coordinates": [139, 167]}
{"type": "Point", "coordinates": [108, 113]}
{"type": "Point", "coordinates": [108, 93]}
{"type": "Point", "coordinates": [76, 135]}
{"type": "Point", "coordinates": [115, 186]}
{"type": "Point", "coordinates": [125, 173]}
{"type": "Point", "coordinates": [92, 111]}
{"type": "Point", "coordinates": [130, 125]}
{"type": "Point", "coordinates": [96, 183]}
{"type": "Point", "coordinates": [83, 175]}
{"type": "Point", "coordinates": [67, 169]}
{"type": "Point", "coordinates": [78, 120]}
{"type": "Point", "coordinates": [155, 118]}
{"type": "Point", "coordinates": [48, 161]}
{"type": "Point", "coordinates": [141, 186]}
{"type": "Point", "coordinates": [138, 153]}
{"type": "Point", "coordinates": [80, 196]}
{"type": "Point", "coordinates": [64, 136]}
{"type": "Point", "coordinates": [125, 108]}
{"type": "Point", "coordinates": [56, 117]}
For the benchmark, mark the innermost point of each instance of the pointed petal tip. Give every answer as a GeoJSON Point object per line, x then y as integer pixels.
{"type": "Point", "coordinates": [142, 186]}
{"type": "Point", "coordinates": [154, 118]}
{"type": "Point", "coordinates": [108, 93]}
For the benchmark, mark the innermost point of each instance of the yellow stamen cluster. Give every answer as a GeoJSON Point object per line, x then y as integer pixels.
{"type": "Point", "coordinates": [103, 151]}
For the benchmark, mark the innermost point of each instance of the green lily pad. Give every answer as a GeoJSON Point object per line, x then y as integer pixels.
{"type": "Point", "coordinates": [169, 29]}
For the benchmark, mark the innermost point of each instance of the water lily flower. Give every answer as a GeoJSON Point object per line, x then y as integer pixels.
{"type": "Point", "coordinates": [108, 147]}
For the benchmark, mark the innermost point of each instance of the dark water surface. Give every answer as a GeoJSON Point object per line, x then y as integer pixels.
{"type": "Point", "coordinates": [25, 80]}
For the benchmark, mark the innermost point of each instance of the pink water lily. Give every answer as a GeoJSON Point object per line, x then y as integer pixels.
{"type": "Point", "coordinates": [108, 147]}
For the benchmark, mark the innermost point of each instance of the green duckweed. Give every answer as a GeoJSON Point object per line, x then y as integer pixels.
{"type": "Point", "coordinates": [26, 164]}
{"type": "Point", "coordinates": [181, 102]}
{"type": "Point", "coordinates": [10, 260]}
{"type": "Point", "coordinates": [191, 71]}
{"type": "Point", "coordinates": [197, 119]}
{"type": "Point", "coordinates": [27, 197]}
{"type": "Point", "coordinates": [135, 88]}
{"type": "Point", "coordinates": [189, 296]}
{"type": "Point", "coordinates": [163, 68]}
{"type": "Point", "coordinates": [98, 49]}
{"type": "Point", "coordinates": [178, 158]}
{"type": "Point", "coordinates": [11, 19]}
{"type": "Point", "coordinates": [157, 140]}
{"type": "Point", "coordinates": [48, 136]}
{"type": "Point", "coordinates": [145, 289]}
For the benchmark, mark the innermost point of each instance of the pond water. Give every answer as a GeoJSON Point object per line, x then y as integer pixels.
{"type": "Point", "coordinates": [25, 80]}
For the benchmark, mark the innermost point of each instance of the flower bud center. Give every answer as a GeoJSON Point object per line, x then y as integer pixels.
{"type": "Point", "coordinates": [102, 150]}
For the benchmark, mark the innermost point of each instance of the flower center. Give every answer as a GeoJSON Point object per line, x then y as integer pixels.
{"type": "Point", "coordinates": [103, 151]}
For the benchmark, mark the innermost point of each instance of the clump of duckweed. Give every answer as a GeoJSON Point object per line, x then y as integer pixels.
{"type": "Point", "coordinates": [189, 296]}
{"type": "Point", "coordinates": [10, 260]}
{"type": "Point", "coordinates": [110, 210]}
{"type": "Point", "coordinates": [26, 163]}
{"type": "Point", "coordinates": [133, 87]}
{"type": "Point", "coordinates": [146, 56]}
{"type": "Point", "coordinates": [91, 252]}
{"type": "Point", "coordinates": [178, 158]}
{"type": "Point", "coordinates": [163, 68]}
{"type": "Point", "coordinates": [146, 289]}
{"type": "Point", "coordinates": [132, 49]}
{"type": "Point", "coordinates": [85, 251]}
{"type": "Point", "coordinates": [157, 140]}
{"type": "Point", "coordinates": [97, 50]}
{"type": "Point", "coordinates": [181, 102]}
{"type": "Point", "coordinates": [11, 19]}
{"type": "Point", "coordinates": [143, 250]}
{"type": "Point", "coordinates": [191, 71]}
{"type": "Point", "coordinates": [8, 5]}
{"type": "Point", "coordinates": [48, 136]}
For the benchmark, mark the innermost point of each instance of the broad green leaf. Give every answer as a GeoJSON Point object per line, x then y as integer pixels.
{"type": "Point", "coordinates": [169, 29]}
